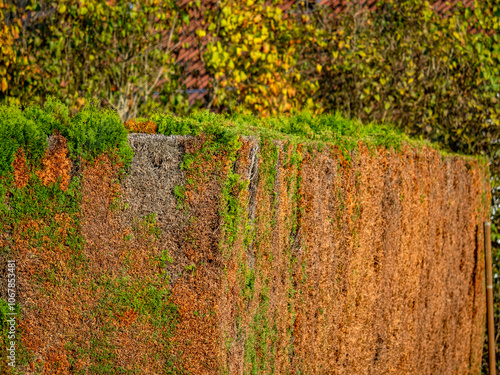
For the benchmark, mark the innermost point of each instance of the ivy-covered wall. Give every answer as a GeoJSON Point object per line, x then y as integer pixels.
{"type": "Point", "coordinates": [231, 245]}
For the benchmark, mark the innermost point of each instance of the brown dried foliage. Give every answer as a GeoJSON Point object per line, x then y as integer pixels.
{"type": "Point", "coordinates": [45, 292]}
{"type": "Point", "coordinates": [117, 245]}
{"type": "Point", "coordinates": [134, 126]}
{"type": "Point", "coordinates": [369, 265]}
{"type": "Point", "coordinates": [56, 163]}
{"type": "Point", "coordinates": [148, 189]}
{"type": "Point", "coordinates": [63, 300]}
{"type": "Point", "coordinates": [196, 342]}
{"type": "Point", "coordinates": [386, 266]}
{"type": "Point", "coordinates": [21, 175]}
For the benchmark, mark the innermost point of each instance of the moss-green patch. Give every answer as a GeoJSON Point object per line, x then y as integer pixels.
{"type": "Point", "coordinates": [232, 211]}
{"type": "Point", "coordinates": [303, 127]}
{"type": "Point", "coordinates": [46, 217]}
{"type": "Point", "coordinates": [179, 192]}
{"type": "Point", "coordinates": [103, 358]}
{"type": "Point", "coordinates": [148, 225]}
{"type": "Point", "coordinates": [259, 348]}
{"type": "Point", "coordinates": [164, 258]}
{"type": "Point", "coordinates": [149, 298]}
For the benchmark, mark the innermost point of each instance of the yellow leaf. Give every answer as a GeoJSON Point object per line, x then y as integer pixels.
{"type": "Point", "coordinates": [318, 68]}
{"type": "Point", "coordinates": [274, 89]}
{"type": "Point", "coordinates": [4, 84]}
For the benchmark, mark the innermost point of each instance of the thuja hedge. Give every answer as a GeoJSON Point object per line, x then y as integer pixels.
{"type": "Point", "coordinates": [89, 133]}
{"type": "Point", "coordinates": [92, 132]}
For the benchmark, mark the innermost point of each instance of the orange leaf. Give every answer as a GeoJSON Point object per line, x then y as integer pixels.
{"type": "Point", "coordinates": [4, 84]}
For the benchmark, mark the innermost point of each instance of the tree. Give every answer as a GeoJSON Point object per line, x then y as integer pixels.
{"type": "Point", "coordinates": [253, 58]}
{"type": "Point", "coordinates": [15, 69]}
{"type": "Point", "coordinates": [117, 51]}
{"type": "Point", "coordinates": [405, 64]}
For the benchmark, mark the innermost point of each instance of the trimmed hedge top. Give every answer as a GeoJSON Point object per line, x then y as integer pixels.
{"type": "Point", "coordinates": [93, 131]}
{"type": "Point", "coordinates": [302, 126]}
{"type": "Point", "coordinates": [89, 133]}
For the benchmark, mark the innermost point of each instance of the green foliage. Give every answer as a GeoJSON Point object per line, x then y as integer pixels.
{"type": "Point", "coordinates": [232, 211]}
{"type": "Point", "coordinates": [117, 51]}
{"type": "Point", "coordinates": [91, 132]}
{"type": "Point", "coordinates": [165, 258]}
{"type": "Point", "coordinates": [404, 63]}
{"type": "Point", "coordinates": [218, 125]}
{"type": "Point", "coordinates": [104, 358]}
{"type": "Point", "coordinates": [259, 344]}
{"type": "Point", "coordinates": [16, 130]}
{"type": "Point", "coordinates": [149, 299]}
{"type": "Point", "coordinates": [301, 126]}
{"type": "Point", "coordinates": [37, 201]}
{"type": "Point", "coordinates": [149, 225]}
